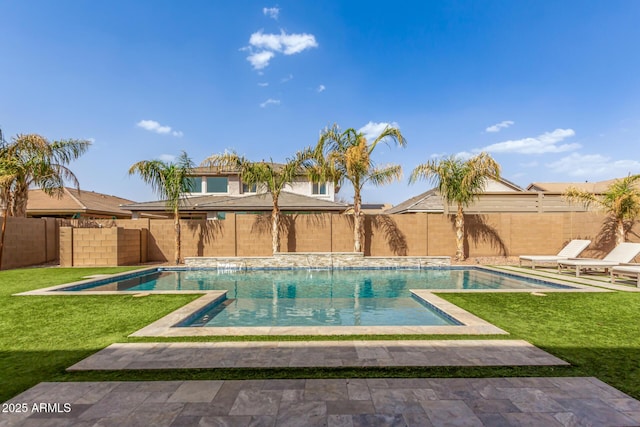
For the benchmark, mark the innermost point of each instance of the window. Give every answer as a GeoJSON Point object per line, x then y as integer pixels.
{"type": "Point", "coordinates": [249, 188]}
{"type": "Point", "coordinates": [319, 188]}
{"type": "Point", "coordinates": [215, 216]}
{"type": "Point", "coordinates": [217, 184]}
{"type": "Point", "coordinates": [194, 184]}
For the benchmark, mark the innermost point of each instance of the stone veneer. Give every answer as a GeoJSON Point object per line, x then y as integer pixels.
{"type": "Point", "coordinates": [317, 260]}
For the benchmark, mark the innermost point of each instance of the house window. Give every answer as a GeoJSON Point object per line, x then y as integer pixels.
{"type": "Point", "coordinates": [217, 184]}
{"type": "Point", "coordinates": [319, 188]}
{"type": "Point", "coordinates": [249, 188]}
{"type": "Point", "coordinates": [194, 184]}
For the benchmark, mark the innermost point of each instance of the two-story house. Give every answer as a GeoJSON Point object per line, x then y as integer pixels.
{"type": "Point", "coordinates": [227, 182]}
{"type": "Point", "coordinates": [215, 191]}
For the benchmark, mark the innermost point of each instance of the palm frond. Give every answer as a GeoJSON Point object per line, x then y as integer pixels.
{"type": "Point", "coordinates": [385, 175]}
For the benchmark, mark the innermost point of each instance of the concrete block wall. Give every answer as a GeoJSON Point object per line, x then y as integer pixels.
{"type": "Point", "coordinates": [95, 246]}
{"type": "Point", "coordinates": [29, 241]}
{"type": "Point", "coordinates": [253, 234]}
{"type": "Point", "coordinates": [84, 247]}
{"type": "Point", "coordinates": [128, 246]}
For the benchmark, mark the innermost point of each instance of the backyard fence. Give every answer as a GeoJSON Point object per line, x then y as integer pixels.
{"type": "Point", "coordinates": [128, 242]}
{"type": "Point", "coordinates": [421, 234]}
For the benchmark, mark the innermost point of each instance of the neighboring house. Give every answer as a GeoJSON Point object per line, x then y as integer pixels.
{"type": "Point", "coordinates": [216, 207]}
{"type": "Point", "coordinates": [227, 182]}
{"type": "Point", "coordinates": [431, 201]}
{"type": "Point", "coordinates": [76, 204]}
{"type": "Point", "coordinates": [597, 187]}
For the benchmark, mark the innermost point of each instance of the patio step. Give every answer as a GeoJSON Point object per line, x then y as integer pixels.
{"type": "Point", "coordinates": [320, 354]}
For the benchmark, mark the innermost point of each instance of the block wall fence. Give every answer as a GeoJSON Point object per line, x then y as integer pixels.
{"type": "Point", "coordinates": [128, 242]}
{"type": "Point", "coordinates": [29, 241]}
{"type": "Point", "coordinates": [492, 234]}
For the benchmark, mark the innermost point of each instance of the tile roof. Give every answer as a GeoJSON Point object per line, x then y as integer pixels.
{"type": "Point", "coordinates": [256, 202]}
{"type": "Point", "coordinates": [73, 201]}
{"type": "Point", "coordinates": [429, 201]}
{"type": "Point", "coordinates": [560, 187]}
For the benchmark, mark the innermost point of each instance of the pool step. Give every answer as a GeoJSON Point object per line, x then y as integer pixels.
{"type": "Point", "coordinates": [320, 354]}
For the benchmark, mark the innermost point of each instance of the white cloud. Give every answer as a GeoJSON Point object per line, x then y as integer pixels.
{"type": "Point", "coordinates": [499, 126]}
{"type": "Point", "coordinates": [372, 130]}
{"type": "Point", "coordinates": [260, 60]}
{"type": "Point", "coordinates": [167, 158]}
{"type": "Point", "coordinates": [321, 88]}
{"type": "Point", "coordinates": [153, 126]}
{"type": "Point", "coordinates": [593, 165]}
{"type": "Point", "coordinates": [288, 44]}
{"type": "Point", "coordinates": [270, 101]}
{"type": "Point", "coordinates": [263, 84]}
{"type": "Point", "coordinates": [286, 79]}
{"type": "Point", "coordinates": [263, 47]}
{"type": "Point", "coordinates": [271, 12]}
{"type": "Point", "coordinates": [545, 143]}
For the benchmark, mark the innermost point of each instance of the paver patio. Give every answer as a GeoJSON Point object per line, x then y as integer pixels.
{"type": "Point", "coordinates": [195, 355]}
{"type": "Point", "coordinates": [332, 402]}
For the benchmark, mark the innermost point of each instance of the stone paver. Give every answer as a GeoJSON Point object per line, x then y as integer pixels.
{"type": "Point", "coordinates": [190, 355]}
{"type": "Point", "coordinates": [330, 402]}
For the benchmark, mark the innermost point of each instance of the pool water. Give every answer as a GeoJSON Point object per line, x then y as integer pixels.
{"type": "Point", "coordinates": [318, 297]}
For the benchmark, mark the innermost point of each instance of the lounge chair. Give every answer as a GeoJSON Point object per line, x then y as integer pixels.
{"type": "Point", "coordinates": [571, 250]}
{"type": "Point", "coordinates": [629, 270]}
{"type": "Point", "coordinates": [621, 254]}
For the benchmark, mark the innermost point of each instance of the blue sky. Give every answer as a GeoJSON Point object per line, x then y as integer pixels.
{"type": "Point", "coordinates": [550, 89]}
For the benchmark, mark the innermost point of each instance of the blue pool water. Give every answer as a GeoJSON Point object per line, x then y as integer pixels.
{"type": "Point", "coordinates": [318, 297]}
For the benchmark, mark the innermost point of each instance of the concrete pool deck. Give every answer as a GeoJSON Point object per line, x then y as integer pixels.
{"type": "Point", "coordinates": [423, 402]}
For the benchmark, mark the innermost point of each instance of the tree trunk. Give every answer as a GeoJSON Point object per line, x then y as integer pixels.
{"type": "Point", "coordinates": [6, 202]}
{"type": "Point", "coordinates": [19, 201]}
{"type": "Point", "coordinates": [275, 226]}
{"type": "Point", "coordinates": [620, 234]}
{"type": "Point", "coordinates": [357, 222]}
{"type": "Point", "coordinates": [176, 224]}
{"type": "Point", "coordinates": [5, 213]}
{"type": "Point", "coordinates": [460, 234]}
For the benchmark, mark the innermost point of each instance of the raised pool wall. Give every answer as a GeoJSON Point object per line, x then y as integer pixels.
{"type": "Point", "coordinates": [330, 260]}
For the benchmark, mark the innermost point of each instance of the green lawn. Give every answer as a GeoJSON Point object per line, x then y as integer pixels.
{"type": "Point", "coordinates": [599, 334]}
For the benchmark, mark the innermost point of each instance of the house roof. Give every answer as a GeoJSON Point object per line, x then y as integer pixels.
{"type": "Point", "coordinates": [431, 201]}
{"type": "Point", "coordinates": [74, 201]}
{"type": "Point", "coordinates": [188, 203]}
{"type": "Point", "coordinates": [561, 187]}
{"type": "Point", "coordinates": [257, 202]}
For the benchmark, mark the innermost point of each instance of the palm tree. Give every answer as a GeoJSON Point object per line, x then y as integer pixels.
{"type": "Point", "coordinates": [341, 156]}
{"type": "Point", "coordinates": [267, 176]}
{"type": "Point", "coordinates": [169, 181]}
{"type": "Point", "coordinates": [459, 182]}
{"type": "Point", "coordinates": [620, 201]}
{"type": "Point", "coordinates": [42, 163]}
{"type": "Point", "coordinates": [8, 175]}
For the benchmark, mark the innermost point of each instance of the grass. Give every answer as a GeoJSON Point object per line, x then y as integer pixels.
{"type": "Point", "coordinates": [42, 335]}
{"type": "Point", "coordinates": [599, 334]}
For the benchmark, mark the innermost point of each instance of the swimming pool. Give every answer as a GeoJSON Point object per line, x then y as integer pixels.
{"type": "Point", "coordinates": [303, 297]}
